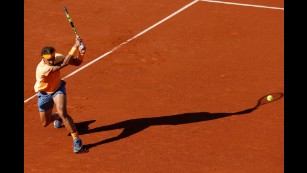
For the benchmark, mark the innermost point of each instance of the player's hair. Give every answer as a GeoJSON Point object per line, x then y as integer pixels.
{"type": "Point", "coordinates": [47, 50]}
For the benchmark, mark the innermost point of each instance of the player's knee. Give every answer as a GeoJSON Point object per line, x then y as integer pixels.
{"type": "Point", "coordinates": [45, 124]}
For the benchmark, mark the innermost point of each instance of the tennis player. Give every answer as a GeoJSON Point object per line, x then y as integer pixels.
{"type": "Point", "coordinates": [51, 89]}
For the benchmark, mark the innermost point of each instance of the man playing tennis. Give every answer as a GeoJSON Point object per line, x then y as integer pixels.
{"type": "Point", "coordinates": [51, 89]}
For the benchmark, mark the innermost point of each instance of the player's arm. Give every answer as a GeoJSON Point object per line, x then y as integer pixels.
{"type": "Point", "coordinates": [68, 58]}
{"type": "Point", "coordinates": [77, 60]}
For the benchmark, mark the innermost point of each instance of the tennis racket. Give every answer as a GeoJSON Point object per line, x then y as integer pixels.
{"type": "Point", "coordinates": [82, 46]}
{"type": "Point", "coordinates": [70, 21]}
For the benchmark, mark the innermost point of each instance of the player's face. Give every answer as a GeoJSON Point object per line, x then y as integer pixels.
{"type": "Point", "coordinates": [50, 61]}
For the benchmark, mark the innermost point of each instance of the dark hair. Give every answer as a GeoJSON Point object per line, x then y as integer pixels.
{"type": "Point", "coordinates": [47, 50]}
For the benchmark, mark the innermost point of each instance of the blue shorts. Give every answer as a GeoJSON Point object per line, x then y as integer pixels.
{"type": "Point", "coordinates": [45, 101]}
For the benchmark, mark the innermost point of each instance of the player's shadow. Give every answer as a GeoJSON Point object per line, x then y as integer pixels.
{"type": "Point", "coordinates": [134, 126]}
{"type": "Point", "coordinates": [83, 126]}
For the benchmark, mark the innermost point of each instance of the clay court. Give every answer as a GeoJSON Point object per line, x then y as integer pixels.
{"type": "Point", "coordinates": [165, 86]}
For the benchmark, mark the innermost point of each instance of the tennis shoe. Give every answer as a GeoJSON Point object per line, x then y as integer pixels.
{"type": "Point", "coordinates": [78, 146]}
{"type": "Point", "coordinates": [57, 123]}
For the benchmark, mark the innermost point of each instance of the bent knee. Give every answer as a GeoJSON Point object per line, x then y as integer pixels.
{"type": "Point", "coordinates": [45, 124]}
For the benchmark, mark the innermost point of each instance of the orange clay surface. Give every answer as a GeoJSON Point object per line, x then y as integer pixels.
{"type": "Point", "coordinates": [165, 101]}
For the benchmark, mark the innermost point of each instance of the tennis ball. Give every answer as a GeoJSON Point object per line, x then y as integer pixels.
{"type": "Point", "coordinates": [269, 98]}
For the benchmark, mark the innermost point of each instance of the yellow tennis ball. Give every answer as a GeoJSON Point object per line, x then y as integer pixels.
{"type": "Point", "coordinates": [269, 98]}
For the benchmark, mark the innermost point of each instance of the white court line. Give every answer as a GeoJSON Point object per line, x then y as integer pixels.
{"type": "Point", "coordinates": [115, 48]}
{"type": "Point", "coordinates": [232, 3]}
{"type": "Point", "coordinates": [158, 23]}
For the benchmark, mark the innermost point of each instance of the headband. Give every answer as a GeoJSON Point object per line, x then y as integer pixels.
{"type": "Point", "coordinates": [47, 56]}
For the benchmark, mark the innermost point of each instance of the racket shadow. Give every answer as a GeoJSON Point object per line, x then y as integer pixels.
{"type": "Point", "coordinates": [134, 126]}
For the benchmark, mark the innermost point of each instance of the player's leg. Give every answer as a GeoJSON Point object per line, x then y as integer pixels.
{"type": "Point", "coordinates": [59, 98]}
{"type": "Point", "coordinates": [45, 117]}
{"type": "Point", "coordinates": [45, 106]}
{"type": "Point", "coordinates": [60, 102]}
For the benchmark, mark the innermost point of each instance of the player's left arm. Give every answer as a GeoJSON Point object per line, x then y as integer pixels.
{"type": "Point", "coordinates": [76, 61]}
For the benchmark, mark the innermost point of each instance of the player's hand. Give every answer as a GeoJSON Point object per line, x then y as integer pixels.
{"type": "Point", "coordinates": [78, 41]}
{"type": "Point", "coordinates": [82, 48]}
